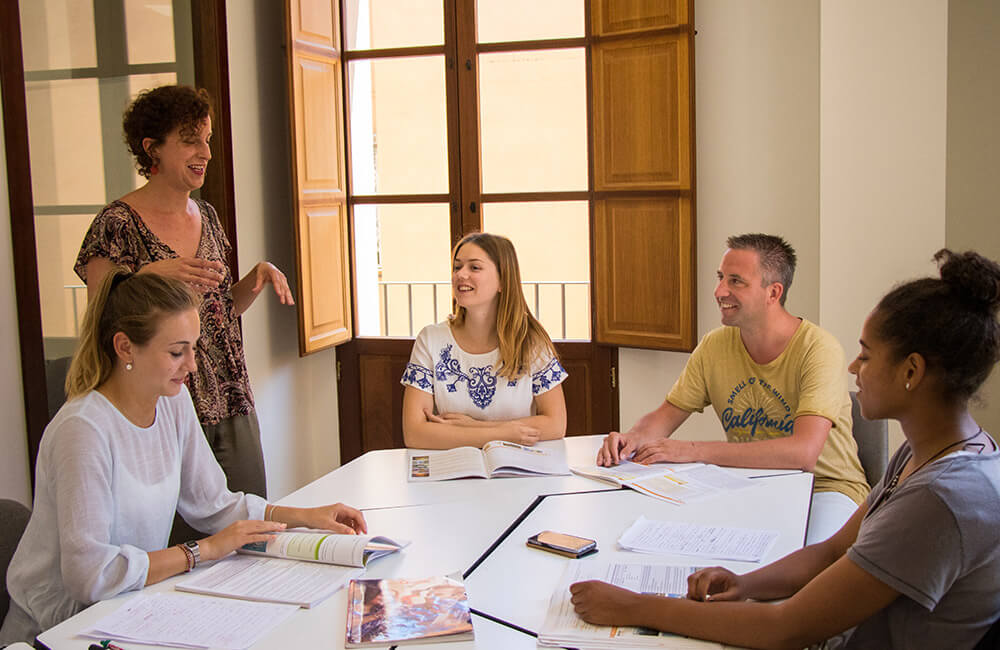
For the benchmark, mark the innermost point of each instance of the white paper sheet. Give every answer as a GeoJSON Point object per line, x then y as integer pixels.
{"type": "Point", "coordinates": [178, 620]}
{"type": "Point", "coordinates": [274, 580]}
{"type": "Point", "coordinates": [562, 626]}
{"type": "Point", "coordinates": [716, 542]}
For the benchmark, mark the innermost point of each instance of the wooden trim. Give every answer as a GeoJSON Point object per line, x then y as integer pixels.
{"type": "Point", "coordinates": [544, 44]}
{"type": "Point", "coordinates": [22, 229]}
{"type": "Point", "coordinates": [452, 108]}
{"type": "Point", "coordinates": [468, 116]}
{"type": "Point", "coordinates": [525, 197]}
{"type": "Point", "coordinates": [387, 199]}
{"type": "Point", "coordinates": [393, 52]}
{"type": "Point", "coordinates": [211, 72]}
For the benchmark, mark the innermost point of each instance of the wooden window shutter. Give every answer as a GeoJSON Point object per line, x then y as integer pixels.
{"type": "Point", "coordinates": [316, 111]}
{"type": "Point", "coordinates": [642, 117]}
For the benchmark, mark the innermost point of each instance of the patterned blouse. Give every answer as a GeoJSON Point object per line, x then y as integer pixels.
{"type": "Point", "coordinates": [467, 383]}
{"type": "Point", "coordinates": [220, 387]}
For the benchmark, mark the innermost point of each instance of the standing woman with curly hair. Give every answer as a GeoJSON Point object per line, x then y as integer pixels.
{"type": "Point", "coordinates": [917, 565]}
{"type": "Point", "coordinates": [159, 228]}
{"type": "Point", "coordinates": [490, 371]}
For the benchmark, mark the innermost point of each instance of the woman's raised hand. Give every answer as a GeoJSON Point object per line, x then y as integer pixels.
{"type": "Point", "coordinates": [267, 273]}
{"type": "Point", "coordinates": [200, 274]}
{"type": "Point", "coordinates": [236, 535]}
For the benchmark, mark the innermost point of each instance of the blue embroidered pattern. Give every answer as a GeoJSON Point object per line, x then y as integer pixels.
{"type": "Point", "coordinates": [481, 383]}
{"type": "Point", "coordinates": [547, 377]}
{"type": "Point", "coordinates": [417, 376]}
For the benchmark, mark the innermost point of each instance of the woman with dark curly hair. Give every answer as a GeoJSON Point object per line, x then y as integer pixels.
{"type": "Point", "coordinates": [159, 228]}
{"type": "Point", "coordinates": [917, 565]}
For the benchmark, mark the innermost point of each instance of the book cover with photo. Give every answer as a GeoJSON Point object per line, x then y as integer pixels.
{"type": "Point", "coordinates": [400, 611]}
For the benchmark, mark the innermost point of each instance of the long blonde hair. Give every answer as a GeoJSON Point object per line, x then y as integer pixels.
{"type": "Point", "coordinates": [133, 304]}
{"type": "Point", "coordinates": [522, 337]}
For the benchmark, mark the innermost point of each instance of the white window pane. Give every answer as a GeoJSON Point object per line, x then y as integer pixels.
{"type": "Point", "coordinates": [533, 121]}
{"type": "Point", "coordinates": [552, 240]}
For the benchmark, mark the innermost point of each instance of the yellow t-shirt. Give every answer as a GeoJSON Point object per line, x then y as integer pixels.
{"type": "Point", "coordinates": [760, 402]}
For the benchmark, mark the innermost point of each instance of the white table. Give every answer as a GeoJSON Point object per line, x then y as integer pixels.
{"type": "Point", "coordinates": [453, 524]}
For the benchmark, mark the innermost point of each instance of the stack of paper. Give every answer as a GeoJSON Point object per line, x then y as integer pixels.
{"type": "Point", "coordinates": [671, 482]}
{"type": "Point", "coordinates": [564, 628]}
{"type": "Point", "coordinates": [274, 580]}
{"type": "Point", "coordinates": [182, 621]}
{"type": "Point", "coordinates": [682, 538]}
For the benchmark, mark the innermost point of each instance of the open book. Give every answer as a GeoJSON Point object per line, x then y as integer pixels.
{"type": "Point", "coordinates": [496, 458]}
{"type": "Point", "coordinates": [397, 611]}
{"type": "Point", "coordinates": [673, 482]}
{"type": "Point", "coordinates": [279, 577]}
{"type": "Point", "coordinates": [325, 547]}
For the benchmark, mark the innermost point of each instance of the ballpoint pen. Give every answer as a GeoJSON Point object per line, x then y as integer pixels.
{"type": "Point", "coordinates": [104, 645]}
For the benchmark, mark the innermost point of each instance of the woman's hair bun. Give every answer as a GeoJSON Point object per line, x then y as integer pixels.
{"type": "Point", "coordinates": [972, 276]}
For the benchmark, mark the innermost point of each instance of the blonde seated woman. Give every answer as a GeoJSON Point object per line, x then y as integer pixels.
{"type": "Point", "coordinates": [489, 372]}
{"type": "Point", "coordinates": [918, 564]}
{"type": "Point", "coordinates": [121, 456]}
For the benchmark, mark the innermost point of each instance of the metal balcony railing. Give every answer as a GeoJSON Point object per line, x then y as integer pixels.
{"type": "Point", "coordinates": [533, 285]}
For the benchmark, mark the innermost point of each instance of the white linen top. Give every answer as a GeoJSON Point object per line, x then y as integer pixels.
{"type": "Point", "coordinates": [468, 384]}
{"type": "Point", "coordinates": [105, 495]}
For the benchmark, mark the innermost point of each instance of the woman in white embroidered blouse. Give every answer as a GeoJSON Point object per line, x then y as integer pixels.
{"type": "Point", "coordinates": [490, 372]}
{"type": "Point", "coordinates": [125, 452]}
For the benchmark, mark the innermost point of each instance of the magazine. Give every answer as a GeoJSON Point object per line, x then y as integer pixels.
{"type": "Point", "coordinates": [279, 575]}
{"type": "Point", "coordinates": [325, 547]}
{"type": "Point", "coordinates": [677, 483]}
{"type": "Point", "coordinates": [381, 612]}
{"type": "Point", "coordinates": [562, 626]}
{"type": "Point", "coordinates": [496, 458]}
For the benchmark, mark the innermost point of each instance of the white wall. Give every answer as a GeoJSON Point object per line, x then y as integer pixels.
{"type": "Point", "coordinates": [973, 159]}
{"type": "Point", "coordinates": [883, 83]}
{"type": "Point", "coordinates": [296, 398]}
{"type": "Point", "coordinates": [757, 116]}
{"type": "Point", "coordinates": [14, 482]}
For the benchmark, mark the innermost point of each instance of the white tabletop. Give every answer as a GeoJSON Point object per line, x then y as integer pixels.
{"type": "Point", "coordinates": [452, 525]}
{"type": "Point", "coordinates": [516, 582]}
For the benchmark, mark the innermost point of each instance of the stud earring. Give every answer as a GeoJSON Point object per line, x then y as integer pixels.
{"type": "Point", "coordinates": [128, 366]}
{"type": "Point", "coordinates": [907, 385]}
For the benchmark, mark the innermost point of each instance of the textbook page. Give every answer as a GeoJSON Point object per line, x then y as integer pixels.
{"type": "Point", "coordinates": [682, 538]}
{"type": "Point", "coordinates": [627, 471]}
{"type": "Point", "coordinates": [505, 458]}
{"type": "Point", "coordinates": [325, 547]}
{"type": "Point", "coordinates": [461, 462]}
{"type": "Point", "coordinates": [562, 626]}
{"type": "Point", "coordinates": [270, 579]}
{"type": "Point", "coordinates": [183, 621]}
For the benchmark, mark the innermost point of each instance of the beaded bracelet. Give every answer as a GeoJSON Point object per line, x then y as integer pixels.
{"type": "Point", "coordinates": [188, 556]}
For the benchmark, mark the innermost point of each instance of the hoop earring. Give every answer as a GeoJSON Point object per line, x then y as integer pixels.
{"type": "Point", "coordinates": [128, 366]}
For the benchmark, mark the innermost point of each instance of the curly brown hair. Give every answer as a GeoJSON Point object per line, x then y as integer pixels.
{"type": "Point", "coordinates": [155, 113]}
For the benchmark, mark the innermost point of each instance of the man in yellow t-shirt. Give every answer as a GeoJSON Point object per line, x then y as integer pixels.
{"type": "Point", "coordinates": [777, 382]}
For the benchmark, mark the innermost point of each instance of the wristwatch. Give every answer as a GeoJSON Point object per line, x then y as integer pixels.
{"type": "Point", "coordinates": [192, 546]}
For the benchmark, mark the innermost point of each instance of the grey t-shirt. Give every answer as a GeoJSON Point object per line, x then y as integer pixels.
{"type": "Point", "coordinates": [935, 542]}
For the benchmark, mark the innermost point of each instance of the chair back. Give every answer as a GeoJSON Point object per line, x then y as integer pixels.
{"type": "Point", "coordinates": [992, 639]}
{"type": "Point", "coordinates": [872, 437]}
{"type": "Point", "coordinates": [13, 519]}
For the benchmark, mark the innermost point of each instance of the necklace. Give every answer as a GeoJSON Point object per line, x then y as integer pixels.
{"type": "Point", "coordinates": [894, 481]}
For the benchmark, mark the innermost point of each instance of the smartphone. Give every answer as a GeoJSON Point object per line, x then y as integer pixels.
{"type": "Point", "coordinates": [563, 544]}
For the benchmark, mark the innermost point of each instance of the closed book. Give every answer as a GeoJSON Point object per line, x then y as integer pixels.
{"type": "Point", "coordinates": [400, 611]}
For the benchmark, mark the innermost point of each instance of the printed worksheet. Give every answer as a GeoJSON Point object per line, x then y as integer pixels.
{"type": "Point", "coordinates": [682, 538]}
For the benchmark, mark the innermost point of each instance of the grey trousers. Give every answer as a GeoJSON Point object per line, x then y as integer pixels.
{"type": "Point", "coordinates": [235, 442]}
